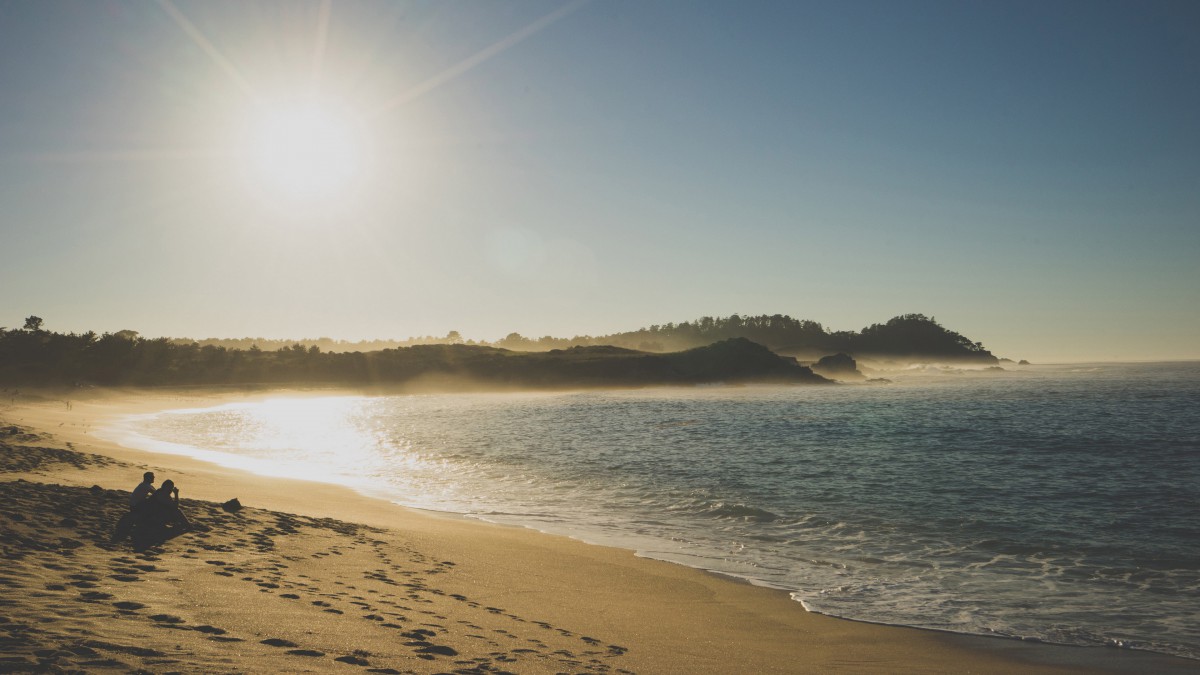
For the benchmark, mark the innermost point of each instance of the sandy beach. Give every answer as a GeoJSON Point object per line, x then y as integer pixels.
{"type": "Point", "coordinates": [310, 577]}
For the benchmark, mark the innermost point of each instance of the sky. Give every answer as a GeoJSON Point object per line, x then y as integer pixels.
{"type": "Point", "coordinates": [1028, 173]}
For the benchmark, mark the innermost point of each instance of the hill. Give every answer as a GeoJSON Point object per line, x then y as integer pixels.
{"type": "Point", "coordinates": [37, 357]}
{"type": "Point", "coordinates": [905, 339]}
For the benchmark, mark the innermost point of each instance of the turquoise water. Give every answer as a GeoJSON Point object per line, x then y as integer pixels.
{"type": "Point", "coordinates": [1050, 503]}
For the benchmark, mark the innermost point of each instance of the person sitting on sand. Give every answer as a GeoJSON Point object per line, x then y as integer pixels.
{"type": "Point", "coordinates": [143, 492]}
{"type": "Point", "coordinates": [164, 504]}
{"type": "Point", "coordinates": [139, 507]}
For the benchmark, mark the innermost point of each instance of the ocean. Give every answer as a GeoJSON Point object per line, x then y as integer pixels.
{"type": "Point", "coordinates": [1052, 503]}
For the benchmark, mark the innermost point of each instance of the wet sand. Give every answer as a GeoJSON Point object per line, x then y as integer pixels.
{"type": "Point", "coordinates": [310, 577]}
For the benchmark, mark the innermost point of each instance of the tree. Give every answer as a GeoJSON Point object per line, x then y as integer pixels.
{"type": "Point", "coordinates": [33, 324]}
{"type": "Point", "coordinates": [514, 341]}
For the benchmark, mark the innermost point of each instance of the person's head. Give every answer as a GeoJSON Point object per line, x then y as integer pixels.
{"type": "Point", "coordinates": [148, 477]}
{"type": "Point", "coordinates": [167, 485]}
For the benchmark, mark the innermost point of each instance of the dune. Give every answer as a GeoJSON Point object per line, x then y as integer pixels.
{"type": "Point", "coordinates": [310, 577]}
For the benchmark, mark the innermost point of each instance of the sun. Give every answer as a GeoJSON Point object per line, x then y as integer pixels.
{"type": "Point", "coordinates": [303, 152]}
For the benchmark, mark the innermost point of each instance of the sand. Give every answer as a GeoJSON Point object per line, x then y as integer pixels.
{"type": "Point", "coordinates": [310, 577]}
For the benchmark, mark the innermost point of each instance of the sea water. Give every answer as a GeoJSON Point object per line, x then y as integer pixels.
{"type": "Point", "coordinates": [1057, 503]}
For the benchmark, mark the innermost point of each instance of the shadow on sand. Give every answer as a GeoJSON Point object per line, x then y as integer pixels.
{"type": "Point", "coordinates": [144, 533]}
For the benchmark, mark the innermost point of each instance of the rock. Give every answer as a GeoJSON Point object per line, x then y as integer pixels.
{"type": "Point", "coordinates": [838, 367]}
{"type": "Point", "coordinates": [232, 506]}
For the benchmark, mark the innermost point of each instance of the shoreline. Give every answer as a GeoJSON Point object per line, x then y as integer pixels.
{"type": "Point", "coordinates": [662, 616]}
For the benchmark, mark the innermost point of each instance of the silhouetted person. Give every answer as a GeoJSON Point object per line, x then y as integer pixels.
{"type": "Point", "coordinates": [164, 506]}
{"type": "Point", "coordinates": [139, 507]}
{"type": "Point", "coordinates": [143, 492]}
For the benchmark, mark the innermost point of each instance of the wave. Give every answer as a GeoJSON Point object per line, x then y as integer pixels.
{"type": "Point", "coordinates": [951, 507]}
{"type": "Point", "coordinates": [741, 512]}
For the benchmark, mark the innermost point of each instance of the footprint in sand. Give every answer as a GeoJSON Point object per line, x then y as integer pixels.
{"type": "Point", "coordinates": [278, 642]}
{"type": "Point", "coordinates": [166, 618]}
{"type": "Point", "coordinates": [440, 650]}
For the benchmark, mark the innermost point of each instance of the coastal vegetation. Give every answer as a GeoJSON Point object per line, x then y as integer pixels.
{"type": "Point", "coordinates": [32, 356]}
{"type": "Point", "coordinates": [909, 337]}
{"type": "Point", "coordinates": [731, 349]}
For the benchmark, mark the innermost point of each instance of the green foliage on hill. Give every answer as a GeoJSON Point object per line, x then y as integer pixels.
{"type": "Point", "coordinates": [36, 357]}
{"type": "Point", "coordinates": [707, 350]}
{"type": "Point", "coordinates": [910, 337]}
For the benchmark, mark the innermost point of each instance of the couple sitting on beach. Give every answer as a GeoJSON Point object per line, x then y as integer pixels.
{"type": "Point", "coordinates": [158, 507]}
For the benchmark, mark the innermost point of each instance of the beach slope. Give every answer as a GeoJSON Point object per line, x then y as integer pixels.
{"type": "Point", "coordinates": [310, 577]}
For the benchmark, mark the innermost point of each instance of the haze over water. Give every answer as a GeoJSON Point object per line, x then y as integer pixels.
{"type": "Point", "coordinates": [1056, 503]}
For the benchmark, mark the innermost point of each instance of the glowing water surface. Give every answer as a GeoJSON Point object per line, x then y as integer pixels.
{"type": "Point", "coordinates": [1052, 503]}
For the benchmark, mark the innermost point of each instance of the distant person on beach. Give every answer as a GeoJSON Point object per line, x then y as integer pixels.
{"type": "Point", "coordinates": [164, 505]}
{"type": "Point", "coordinates": [143, 492]}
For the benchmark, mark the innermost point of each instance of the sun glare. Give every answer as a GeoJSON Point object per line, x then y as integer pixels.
{"type": "Point", "coordinates": [303, 152]}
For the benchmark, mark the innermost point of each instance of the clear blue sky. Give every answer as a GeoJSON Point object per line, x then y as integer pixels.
{"type": "Point", "coordinates": [1026, 172]}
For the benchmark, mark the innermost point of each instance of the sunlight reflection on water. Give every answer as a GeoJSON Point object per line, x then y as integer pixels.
{"type": "Point", "coordinates": [947, 503]}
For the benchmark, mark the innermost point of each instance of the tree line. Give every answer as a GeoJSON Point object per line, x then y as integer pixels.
{"type": "Point", "coordinates": [912, 337]}
{"type": "Point", "coordinates": [908, 337]}
{"type": "Point", "coordinates": [35, 357]}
